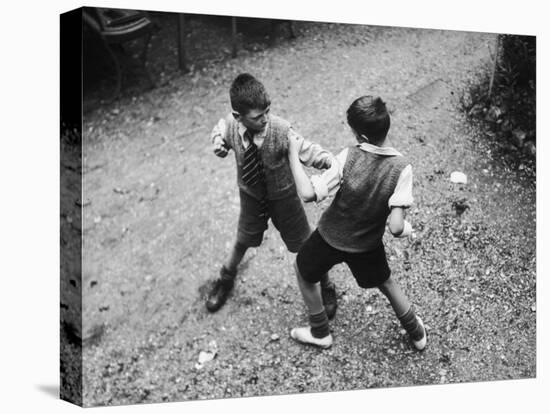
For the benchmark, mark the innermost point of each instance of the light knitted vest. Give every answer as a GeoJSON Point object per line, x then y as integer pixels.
{"type": "Point", "coordinates": [356, 219]}
{"type": "Point", "coordinates": [274, 152]}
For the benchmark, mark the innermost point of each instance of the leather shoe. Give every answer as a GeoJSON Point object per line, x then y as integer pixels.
{"type": "Point", "coordinates": [220, 291]}
{"type": "Point", "coordinates": [218, 295]}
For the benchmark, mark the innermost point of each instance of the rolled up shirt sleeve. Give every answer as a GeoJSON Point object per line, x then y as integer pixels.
{"type": "Point", "coordinates": [327, 184]}
{"type": "Point", "coordinates": [402, 195]}
{"type": "Point", "coordinates": [311, 154]}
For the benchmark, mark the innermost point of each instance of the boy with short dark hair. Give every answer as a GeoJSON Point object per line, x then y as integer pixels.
{"type": "Point", "coordinates": [260, 142]}
{"type": "Point", "coordinates": [371, 181]}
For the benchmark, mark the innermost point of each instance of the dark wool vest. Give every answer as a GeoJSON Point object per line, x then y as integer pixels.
{"type": "Point", "coordinates": [274, 152]}
{"type": "Point", "coordinates": [356, 219]}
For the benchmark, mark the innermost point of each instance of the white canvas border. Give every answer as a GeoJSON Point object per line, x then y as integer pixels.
{"type": "Point", "coordinates": [30, 184]}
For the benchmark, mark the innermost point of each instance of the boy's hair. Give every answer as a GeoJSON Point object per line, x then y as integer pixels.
{"type": "Point", "coordinates": [247, 93]}
{"type": "Point", "coordinates": [368, 116]}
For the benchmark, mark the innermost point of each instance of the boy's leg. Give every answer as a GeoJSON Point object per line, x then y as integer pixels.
{"type": "Point", "coordinates": [328, 293]}
{"type": "Point", "coordinates": [403, 309]}
{"type": "Point", "coordinates": [398, 300]}
{"type": "Point", "coordinates": [235, 258]}
{"type": "Point", "coordinates": [223, 286]}
{"type": "Point", "coordinates": [371, 269]}
{"type": "Point", "coordinates": [249, 234]}
{"type": "Point", "coordinates": [315, 258]}
{"type": "Point", "coordinates": [311, 292]}
{"type": "Point", "coordinates": [290, 219]}
{"type": "Point", "coordinates": [318, 332]}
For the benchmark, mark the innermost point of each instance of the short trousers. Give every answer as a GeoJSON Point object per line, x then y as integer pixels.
{"type": "Point", "coordinates": [287, 215]}
{"type": "Point", "coordinates": [317, 257]}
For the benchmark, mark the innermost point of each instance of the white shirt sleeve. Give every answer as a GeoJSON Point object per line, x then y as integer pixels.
{"type": "Point", "coordinates": [402, 195]}
{"type": "Point", "coordinates": [218, 130]}
{"type": "Point", "coordinates": [327, 184]}
{"type": "Point", "coordinates": [311, 154]}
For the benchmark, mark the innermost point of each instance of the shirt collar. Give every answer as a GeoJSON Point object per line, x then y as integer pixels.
{"type": "Point", "coordinates": [242, 129]}
{"type": "Point", "coordinates": [389, 151]}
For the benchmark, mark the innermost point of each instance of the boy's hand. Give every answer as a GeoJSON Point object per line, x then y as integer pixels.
{"type": "Point", "coordinates": [219, 147]}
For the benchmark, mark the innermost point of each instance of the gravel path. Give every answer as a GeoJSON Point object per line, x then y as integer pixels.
{"type": "Point", "coordinates": [161, 212]}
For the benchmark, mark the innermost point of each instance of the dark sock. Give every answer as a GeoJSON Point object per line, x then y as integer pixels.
{"type": "Point", "coordinates": [411, 325]}
{"type": "Point", "coordinates": [319, 324]}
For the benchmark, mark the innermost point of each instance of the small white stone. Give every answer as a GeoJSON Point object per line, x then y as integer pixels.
{"type": "Point", "coordinates": [205, 357]}
{"type": "Point", "coordinates": [458, 177]}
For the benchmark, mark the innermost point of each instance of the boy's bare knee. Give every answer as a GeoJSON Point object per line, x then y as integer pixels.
{"type": "Point", "coordinates": [386, 285]}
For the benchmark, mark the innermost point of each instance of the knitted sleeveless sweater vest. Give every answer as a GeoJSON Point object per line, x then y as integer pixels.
{"type": "Point", "coordinates": [274, 153]}
{"type": "Point", "coordinates": [356, 219]}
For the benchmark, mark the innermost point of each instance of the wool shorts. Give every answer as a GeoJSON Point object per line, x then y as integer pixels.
{"type": "Point", "coordinates": [317, 257]}
{"type": "Point", "coordinates": [288, 217]}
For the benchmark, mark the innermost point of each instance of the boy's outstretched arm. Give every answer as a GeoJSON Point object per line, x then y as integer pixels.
{"type": "Point", "coordinates": [217, 137]}
{"type": "Point", "coordinates": [311, 154]}
{"type": "Point", "coordinates": [303, 183]}
{"type": "Point", "coordinates": [400, 200]}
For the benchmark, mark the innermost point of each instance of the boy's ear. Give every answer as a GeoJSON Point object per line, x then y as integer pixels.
{"type": "Point", "coordinates": [236, 115]}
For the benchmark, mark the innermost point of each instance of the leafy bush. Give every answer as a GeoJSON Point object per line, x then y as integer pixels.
{"type": "Point", "coordinates": [515, 80]}
{"type": "Point", "coordinates": [506, 98]}
{"type": "Point", "coordinates": [518, 61]}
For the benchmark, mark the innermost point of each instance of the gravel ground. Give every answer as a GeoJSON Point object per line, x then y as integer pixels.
{"type": "Point", "coordinates": [160, 213]}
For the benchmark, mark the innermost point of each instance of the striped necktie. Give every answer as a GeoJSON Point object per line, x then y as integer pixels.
{"type": "Point", "coordinates": [253, 171]}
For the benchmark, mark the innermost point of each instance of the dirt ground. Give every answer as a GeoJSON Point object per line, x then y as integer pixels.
{"type": "Point", "coordinates": [160, 213]}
